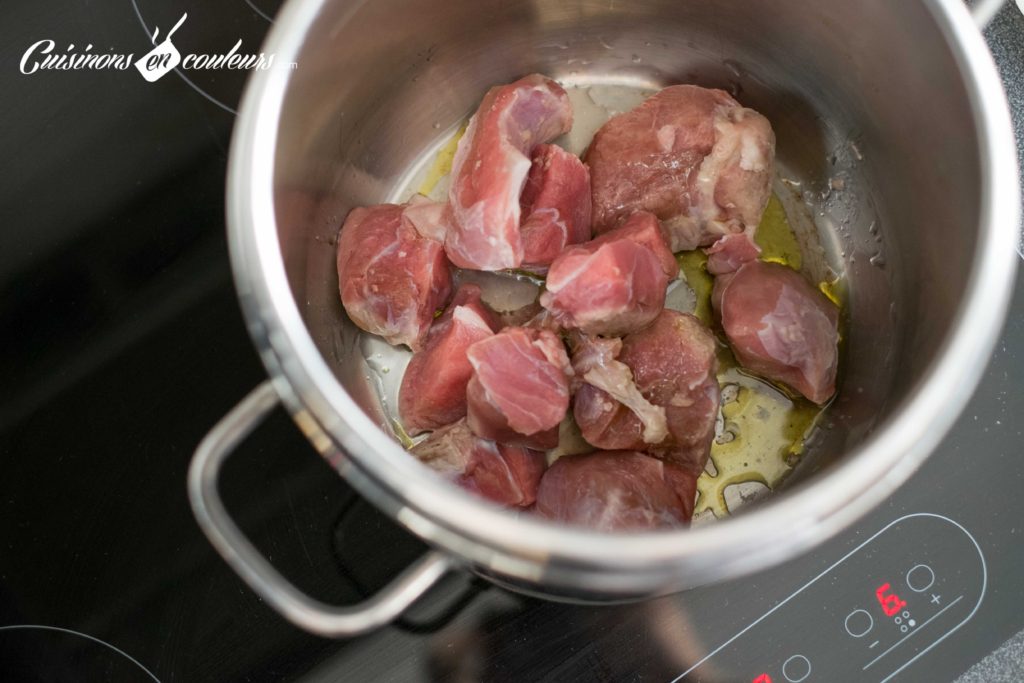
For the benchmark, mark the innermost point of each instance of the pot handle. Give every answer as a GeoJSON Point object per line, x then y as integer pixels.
{"type": "Point", "coordinates": [302, 610]}
{"type": "Point", "coordinates": [984, 11]}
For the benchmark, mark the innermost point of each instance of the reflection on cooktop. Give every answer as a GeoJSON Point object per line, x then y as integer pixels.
{"type": "Point", "coordinates": [56, 655]}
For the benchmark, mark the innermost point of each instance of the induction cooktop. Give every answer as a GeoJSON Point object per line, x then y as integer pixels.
{"type": "Point", "coordinates": [121, 344]}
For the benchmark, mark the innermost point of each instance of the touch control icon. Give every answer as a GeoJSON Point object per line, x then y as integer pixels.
{"type": "Point", "coordinates": [797, 668]}
{"type": "Point", "coordinates": [858, 623]}
{"type": "Point", "coordinates": [920, 578]}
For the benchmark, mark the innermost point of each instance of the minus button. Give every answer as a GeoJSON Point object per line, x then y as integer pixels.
{"type": "Point", "coordinates": [872, 644]}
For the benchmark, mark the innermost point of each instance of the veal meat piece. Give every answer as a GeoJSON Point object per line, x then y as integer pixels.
{"type": "Point", "coordinates": [614, 283]}
{"type": "Point", "coordinates": [781, 327]}
{"type": "Point", "coordinates": [555, 206]}
{"type": "Point", "coordinates": [490, 168]}
{"type": "Point", "coordinates": [694, 157]}
{"type": "Point", "coordinates": [433, 391]}
{"type": "Point", "coordinates": [730, 252]}
{"type": "Point", "coordinates": [507, 475]}
{"type": "Point", "coordinates": [617, 491]}
{"type": "Point", "coordinates": [519, 390]}
{"type": "Point", "coordinates": [598, 376]}
{"type": "Point", "coordinates": [428, 217]}
{"type": "Point", "coordinates": [392, 279]}
{"type": "Point", "coordinates": [671, 365]}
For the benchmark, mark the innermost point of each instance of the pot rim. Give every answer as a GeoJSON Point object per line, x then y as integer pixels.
{"type": "Point", "coordinates": [459, 522]}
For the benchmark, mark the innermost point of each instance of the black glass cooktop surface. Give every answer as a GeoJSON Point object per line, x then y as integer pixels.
{"type": "Point", "coordinates": [121, 344]}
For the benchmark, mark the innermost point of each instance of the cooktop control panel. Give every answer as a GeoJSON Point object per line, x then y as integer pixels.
{"type": "Point", "coordinates": [890, 600]}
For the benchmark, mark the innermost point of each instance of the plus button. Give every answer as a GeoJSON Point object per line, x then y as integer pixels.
{"type": "Point", "coordinates": [936, 599]}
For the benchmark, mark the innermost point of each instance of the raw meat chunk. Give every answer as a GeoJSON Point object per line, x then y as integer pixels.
{"type": "Point", "coordinates": [555, 206]}
{"type": "Point", "coordinates": [594, 364]}
{"type": "Point", "coordinates": [643, 228]}
{"type": "Point", "coordinates": [692, 156]}
{"type": "Point", "coordinates": [614, 283]}
{"type": "Point", "coordinates": [617, 491]}
{"type": "Point", "coordinates": [392, 279]}
{"type": "Point", "coordinates": [781, 327]}
{"type": "Point", "coordinates": [672, 365]}
{"type": "Point", "coordinates": [490, 168]}
{"type": "Point", "coordinates": [433, 391]}
{"type": "Point", "coordinates": [428, 217]}
{"type": "Point", "coordinates": [507, 475]}
{"type": "Point", "coordinates": [730, 252]}
{"type": "Point", "coordinates": [519, 390]}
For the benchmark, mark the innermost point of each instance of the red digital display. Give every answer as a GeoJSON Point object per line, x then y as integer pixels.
{"type": "Point", "coordinates": [763, 678]}
{"type": "Point", "coordinates": [890, 602]}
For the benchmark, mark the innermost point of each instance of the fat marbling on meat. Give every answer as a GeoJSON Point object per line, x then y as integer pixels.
{"type": "Point", "coordinates": [433, 390]}
{"type": "Point", "coordinates": [491, 164]}
{"type": "Point", "coordinates": [780, 327]}
{"type": "Point", "coordinates": [613, 284]}
{"type": "Point", "coordinates": [555, 206]}
{"type": "Point", "coordinates": [617, 491]}
{"type": "Point", "coordinates": [519, 389]}
{"type": "Point", "coordinates": [693, 156]}
{"type": "Point", "coordinates": [730, 252]}
{"type": "Point", "coordinates": [596, 366]}
{"type": "Point", "coordinates": [672, 365]}
{"type": "Point", "coordinates": [507, 475]}
{"type": "Point", "coordinates": [428, 217]}
{"type": "Point", "coordinates": [392, 279]}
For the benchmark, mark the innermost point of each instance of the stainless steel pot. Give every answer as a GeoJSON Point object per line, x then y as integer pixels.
{"type": "Point", "coordinates": [890, 118]}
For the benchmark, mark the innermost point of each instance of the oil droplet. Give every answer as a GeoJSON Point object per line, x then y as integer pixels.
{"type": "Point", "coordinates": [764, 438]}
{"type": "Point", "coordinates": [776, 238]}
{"type": "Point", "coordinates": [402, 435]}
{"type": "Point", "coordinates": [442, 165]}
{"type": "Point", "coordinates": [877, 260]}
{"type": "Point", "coordinates": [833, 291]}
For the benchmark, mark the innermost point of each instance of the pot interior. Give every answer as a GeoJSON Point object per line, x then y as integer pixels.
{"type": "Point", "coordinates": [877, 156]}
